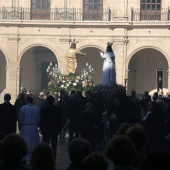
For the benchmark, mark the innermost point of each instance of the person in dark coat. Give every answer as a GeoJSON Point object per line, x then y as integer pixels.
{"type": "Point", "coordinates": [74, 112]}
{"type": "Point", "coordinates": [99, 108]}
{"type": "Point", "coordinates": [20, 101]}
{"type": "Point", "coordinates": [8, 116]}
{"type": "Point", "coordinates": [156, 129]}
{"type": "Point", "coordinates": [88, 124]}
{"type": "Point", "coordinates": [63, 105]}
{"type": "Point", "coordinates": [50, 123]}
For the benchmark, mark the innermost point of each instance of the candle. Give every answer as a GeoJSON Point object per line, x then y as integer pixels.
{"type": "Point", "coordinates": [51, 64]}
{"type": "Point", "coordinates": [86, 64]}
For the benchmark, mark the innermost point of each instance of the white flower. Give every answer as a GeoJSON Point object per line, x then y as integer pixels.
{"type": "Point", "coordinates": [74, 84]}
{"type": "Point", "coordinates": [83, 83]}
{"type": "Point", "coordinates": [62, 86]}
{"type": "Point", "coordinates": [64, 81]}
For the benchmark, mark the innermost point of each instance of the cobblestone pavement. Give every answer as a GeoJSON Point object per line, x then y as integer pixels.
{"type": "Point", "coordinates": [62, 160]}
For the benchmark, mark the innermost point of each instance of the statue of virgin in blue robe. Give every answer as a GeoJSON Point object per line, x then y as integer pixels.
{"type": "Point", "coordinates": [109, 72]}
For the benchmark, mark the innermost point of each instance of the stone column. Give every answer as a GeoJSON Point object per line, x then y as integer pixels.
{"type": "Point", "coordinates": [12, 79]}
{"type": "Point", "coordinates": [120, 50]}
{"type": "Point", "coordinates": [168, 80]}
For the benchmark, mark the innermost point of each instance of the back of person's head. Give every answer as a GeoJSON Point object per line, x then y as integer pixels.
{"type": "Point", "coordinates": [121, 150]}
{"type": "Point", "coordinates": [14, 148]}
{"type": "Point", "coordinates": [121, 130]}
{"type": "Point", "coordinates": [29, 99]}
{"type": "Point", "coordinates": [22, 95]}
{"type": "Point", "coordinates": [89, 95]}
{"type": "Point", "coordinates": [72, 92]}
{"type": "Point", "coordinates": [157, 161]}
{"type": "Point", "coordinates": [42, 157]}
{"type": "Point", "coordinates": [133, 93]}
{"type": "Point", "coordinates": [88, 107]}
{"type": "Point", "coordinates": [137, 134]}
{"type": "Point", "coordinates": [78, 149]}
{"type": "Point", "coordinates": [94, 161]}
{"type": "Point", "coordinates": [50, 100]}
{"type": "Point", "coordinates": [74, 96]}
{"type": "Point", "coordinates": [157, 108]}
{"type": "Point", "coordinates": [155, 96]}
{"type": "Point", "coordinates": [7, 97]}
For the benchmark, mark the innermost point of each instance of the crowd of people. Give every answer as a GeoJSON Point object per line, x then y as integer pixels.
{"type": "Point", "coordinates": [133, 133]}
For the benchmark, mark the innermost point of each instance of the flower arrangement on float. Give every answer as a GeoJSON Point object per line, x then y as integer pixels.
{"type": "Point", "coordinates": [84, 82]}
{"type": "Point", "coordinates": [59, 81]}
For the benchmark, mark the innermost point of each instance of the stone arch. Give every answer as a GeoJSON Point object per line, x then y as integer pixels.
{"type": "Point", "coordinates": [141, 46]}
{"type": "Point", "coordinates": [38, 44]}
{"type": "Point", "coordinates": [4, 63]}
{"type": "Point", "coordinates": [36, 80]}
{"type": "Point", "coordinates": [93, 58]}
{"type": "Point", "coordinates": [93, 43]}
{"type": "Point", "coordinates": [6, 58]}
{"type": "Point", "coordinates": [133, 75]}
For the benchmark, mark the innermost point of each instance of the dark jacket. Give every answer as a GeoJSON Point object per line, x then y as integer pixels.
{"type": "Point", "coordinates": [50, 119]}
{"type": "Point", "coordinates": [8, 118]}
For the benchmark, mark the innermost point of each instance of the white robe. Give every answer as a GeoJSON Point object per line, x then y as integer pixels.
{"type": "Point", "coordinates": [29, 118]}
{"type": "Point", "coordinates": [109, 73]}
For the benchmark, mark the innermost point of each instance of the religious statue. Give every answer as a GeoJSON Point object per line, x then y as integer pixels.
{"type": "Point", "coordinates": [109, 72]}
{"type": "Point", "coordinates": [71, 61]}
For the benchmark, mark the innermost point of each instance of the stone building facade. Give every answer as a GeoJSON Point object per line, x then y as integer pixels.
{"type": "Point", "coordinates": [34, 33]}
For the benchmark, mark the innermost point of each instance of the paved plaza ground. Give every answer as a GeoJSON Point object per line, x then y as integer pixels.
{"type": "Point", "coordinates": [62, 161]}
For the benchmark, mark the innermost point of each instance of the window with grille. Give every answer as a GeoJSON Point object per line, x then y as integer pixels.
{"type": "Point", "coordinates": [40, 9]}
{"type": "Point", "coordinates": [150, 9]}
{"type": "Point", "coordinates": [92, 9]}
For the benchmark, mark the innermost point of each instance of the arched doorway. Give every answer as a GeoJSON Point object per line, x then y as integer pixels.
{"type": "Point", "coordinates": [92, 58]}
{"type": "Point", "coordinates": [142, 71]}
{"type": "Point", "coordinates": [34, 63]}
{"type": "Point", "coordinates": [3, 65]}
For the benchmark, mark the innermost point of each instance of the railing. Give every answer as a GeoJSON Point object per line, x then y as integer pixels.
{"type": "Point", "coordinates": [150, 15]}
{"type": "Point", "coordinates": [56, 14]}
{"type": "Point", "coordinates": [77, 14]}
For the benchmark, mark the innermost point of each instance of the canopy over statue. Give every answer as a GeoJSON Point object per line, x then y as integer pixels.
{"type": "Point", "coordinates": [109, 73]}
{"type": "Point", "coordinates": [71, 61]}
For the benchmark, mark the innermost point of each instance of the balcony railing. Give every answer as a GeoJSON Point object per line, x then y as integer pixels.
{"type": "Point", "coordinates": [55, 14]}
{"type": "Point", "coordinates": [77, 14]}
{"type": "Point", "coordinates": [150, 15]}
